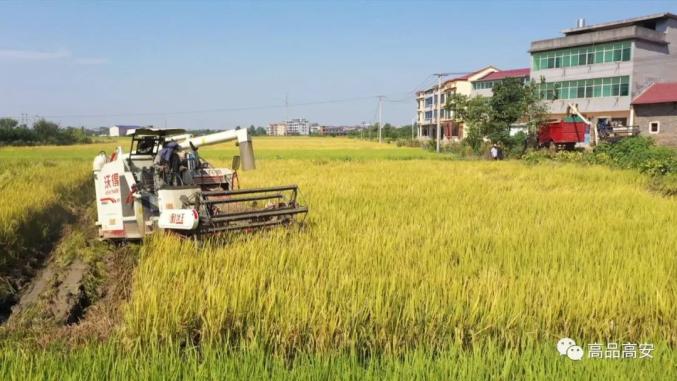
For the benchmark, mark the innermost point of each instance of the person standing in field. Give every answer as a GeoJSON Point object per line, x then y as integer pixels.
{"type": "Point", "coordinates": [494, 152]}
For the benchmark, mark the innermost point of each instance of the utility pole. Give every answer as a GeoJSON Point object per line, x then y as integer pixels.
{"type": "Point", "coordinates": [437, 111]}
{"type": "Point", "coordinates": [413, 124]}
{"type": "Point", "coordinates": [380, 119]}
{"type": "Point", "coordinates": [439, 105]}
{"type": "Point", "coordinates": [286, 107]}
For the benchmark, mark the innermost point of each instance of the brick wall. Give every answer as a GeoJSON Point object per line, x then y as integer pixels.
{"type": "Point", "coordinates": [663, 113]}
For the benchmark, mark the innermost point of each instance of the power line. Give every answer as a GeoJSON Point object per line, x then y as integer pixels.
{"type": "Point", "coordinates": [427, 79]}
{"type": "Point", "coordinates": [437, 107]}
{"type": "Point", "coordinates": [286, 105]}
{"type": "Point", "coordinates": [204, 111]}
{"type": "Point", "coordinates": [412, 94]}
{"type": "Point", "coordinates": [408, 94]}
{"type": "Point", "coordinates": [403, 100]}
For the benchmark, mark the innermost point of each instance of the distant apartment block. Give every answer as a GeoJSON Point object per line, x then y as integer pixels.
{"type": "Point", "coordinates": [603, 67]}
{"type": "Point", "coordinates": [339, 130]}
{"type": "Point", "coordinates": [277, 129]}
{"type": "Point", "coordinates": [315, 129]}
{"type": "Point", "coordinates": [429, 110]}
{"type": "Point", "coordinates": [298, 127]}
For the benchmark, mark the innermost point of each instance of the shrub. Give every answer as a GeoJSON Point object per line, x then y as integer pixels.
{"type": "Point", "coordinates": [570, 156]}
{"type": "Point", "coordinates": [666, 185]}
{"type": "Point", "coordinates": [638, 152]}
{"type": "Point", "coordinates": [536, 156]}
{"type": "Point", "coordinates": [408, 143]}
{"type": "Point", "coordinates": [657, 167]}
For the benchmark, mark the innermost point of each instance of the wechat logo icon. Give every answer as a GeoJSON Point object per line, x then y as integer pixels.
{"type": "Point", "coordinates": [568, 347]}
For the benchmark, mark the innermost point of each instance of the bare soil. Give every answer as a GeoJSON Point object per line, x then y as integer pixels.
{"type": "Point", "coordinates": [75, 291]}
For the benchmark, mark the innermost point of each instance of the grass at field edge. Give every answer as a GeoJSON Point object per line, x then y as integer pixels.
{"type": "Point", "coordinates": [107, 361]}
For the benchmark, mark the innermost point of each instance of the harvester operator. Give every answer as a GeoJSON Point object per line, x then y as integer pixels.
{"type": "Point", "coordinates": [168, 163]}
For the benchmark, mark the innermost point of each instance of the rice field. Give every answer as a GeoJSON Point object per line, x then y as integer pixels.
{"type": "Point", "coordinates": [409, 265]}
{"type": "Point", "coordinates": [28, 187]}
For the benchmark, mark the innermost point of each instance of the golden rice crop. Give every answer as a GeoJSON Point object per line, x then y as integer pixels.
{"type": "Point", "coordinates": [451, 269]}
{"type": "Point", "coordinates": [32, 200]}
{"type": "Point", "coordinates": [397, 255]}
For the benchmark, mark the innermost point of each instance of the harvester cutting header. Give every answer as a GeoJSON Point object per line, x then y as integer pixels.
{"type": "Point", "coordinates": [163, 183]}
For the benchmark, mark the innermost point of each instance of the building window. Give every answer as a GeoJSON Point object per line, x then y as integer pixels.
{"type": "Point", "coordinates": [587, 88]}
{"type": "Point", "coordinates": [584, 55]}
{"type": "Point", "coordinates": [490, 84]}
{"type": "Point", "coordinates": [654, 127]}
{"type": "Point", "coordinates": [483, 85]}
{"type": "Point", "coordinates": [428, 115]}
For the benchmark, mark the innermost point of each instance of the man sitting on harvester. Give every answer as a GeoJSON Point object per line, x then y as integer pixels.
{"type": "Point", "coordinates": [168, 163]}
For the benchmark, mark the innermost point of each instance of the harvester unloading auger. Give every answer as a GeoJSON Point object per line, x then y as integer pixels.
{"type": "Point", "coordinates": [141, 191]}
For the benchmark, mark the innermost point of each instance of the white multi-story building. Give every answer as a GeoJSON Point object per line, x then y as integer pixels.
{"type": "Point", "coordinates": [484, 86]}
{"type": "Point", "coordinates": [277, 129]}
{"type": "Point", "coordinates": [430, 111]}
{"type": "Point", "coordinates": [298, 127]}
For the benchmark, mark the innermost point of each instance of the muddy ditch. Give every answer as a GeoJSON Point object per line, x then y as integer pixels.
{"type": "Point", "coordinates": [35, 240]}
{"type": "Point", "coordinates": [63, 283]}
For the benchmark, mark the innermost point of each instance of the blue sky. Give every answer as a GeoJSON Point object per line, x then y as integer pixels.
{"type": "Point", "coordinates": [222, 64]}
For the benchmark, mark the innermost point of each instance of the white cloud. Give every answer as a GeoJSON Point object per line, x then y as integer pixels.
{"type": "Point", "coordinates": [33, 55]}
{"type": "Point", "coordinates": [56, 55]}
{"type": "Point", "coordinates": [91, 61]}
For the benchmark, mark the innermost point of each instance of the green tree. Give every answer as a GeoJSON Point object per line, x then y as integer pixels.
{"type": "Point", "coordinates": [508, 105]}
{"type": "Point", "coordinates": [7, 127]}
{"type": "Point", "coordinates": [475, 113]}
{"type": "Point", "coordinates": [43, 132]}
{"type": "Point", "coordinates": [48, 132]}
{"type": "Point", "coordinates": [536, 112]}
{"type": "Point", "coordinates": [491, 118]}
{"type": "Point", "coordinates": [76, 135]}
{"type": "Point", "coordinates": [478, 118]}
{"type": "Point", "coordinates": [8, 123]}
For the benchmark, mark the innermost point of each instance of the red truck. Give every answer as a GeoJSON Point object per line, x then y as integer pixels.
{"type": "Point", "coordinates": [562, 134]}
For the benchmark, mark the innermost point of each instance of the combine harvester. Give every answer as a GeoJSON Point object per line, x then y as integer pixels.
{"type": "Point", "coordinates": [137, 193]}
